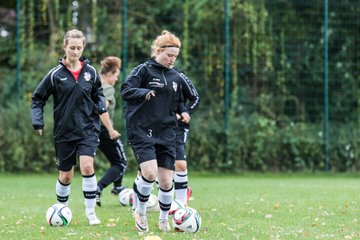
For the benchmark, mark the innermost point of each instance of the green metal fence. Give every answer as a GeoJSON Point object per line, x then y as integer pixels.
{"type": "Point", "coordinates": [279, 80]}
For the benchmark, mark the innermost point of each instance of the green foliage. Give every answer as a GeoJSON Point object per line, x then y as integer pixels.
{"type": "Point", "coordinates": [344, 147]}
{"type": "Point", "coordinates": [258, 143]}
{"type": "Point", "coordinates": [255, 143]}
{"type": "Point", "coordinates": [276, 76]}
{"type": "Point", "coordinates": [22, 150]}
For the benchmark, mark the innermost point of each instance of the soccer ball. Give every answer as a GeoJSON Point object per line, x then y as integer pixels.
{"type": "Point", "coordinates": [153, 204]}
{"type": "Point", "coordinates": [186, 220]}
{"type": "Point", "coordinates": [175, 205]}
{"type": "Point", "coordinates": [126, 197]}
{"type": "Point", "coordinates": [58, 215]}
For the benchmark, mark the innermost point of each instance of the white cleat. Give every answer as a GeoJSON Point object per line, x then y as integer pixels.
{"type": "Point", "coordinates": [141, 223]}
{"type": "Point", "coordinates": [93, 219]}
{"type": "Point", "coordinates": [164, 225]}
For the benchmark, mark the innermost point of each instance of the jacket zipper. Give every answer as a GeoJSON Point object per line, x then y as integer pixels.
{"type": "Point", "coordinates": [164, 77]}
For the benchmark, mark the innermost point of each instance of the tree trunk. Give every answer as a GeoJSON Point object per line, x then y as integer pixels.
{"type": "Point", "coordinates": [50, 11]}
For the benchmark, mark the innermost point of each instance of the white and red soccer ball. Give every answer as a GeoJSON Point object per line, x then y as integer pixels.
{"type": "Point", "coordinates": [186, 219]}
{"type": "Point", "coordinates": [175, 205]}
{"type": "Point", "coordinates": [126, 197]}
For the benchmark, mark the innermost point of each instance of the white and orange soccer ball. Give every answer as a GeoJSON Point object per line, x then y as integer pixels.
{"type": "Point", "coordinates": [58, 215]}
{"type": "Point", "coordinates": [186, 220]}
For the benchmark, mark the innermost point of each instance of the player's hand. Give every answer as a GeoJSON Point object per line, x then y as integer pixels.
{"type": "Point", "coordinates": [185, 117]}
{"type": "Point", "coordinates": [114, 134]}
{"type": "Point", "coordinates": [178, 117]}
{"type": "Point", "coordinates": [39, 131]}
{"type": "Point", "coordinates": [149, 95]}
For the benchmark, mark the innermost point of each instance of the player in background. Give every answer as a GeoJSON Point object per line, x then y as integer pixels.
{"type": "Point", "coordinates": [110, 143]}
{"type": "Point", "coordinates": [78, 100]}
{"type": "Point", "coordinates": [152, 92]}
{"type": "Point", "coordinates": [191, 99]}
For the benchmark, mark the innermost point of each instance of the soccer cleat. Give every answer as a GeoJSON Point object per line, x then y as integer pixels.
{"type": "Point", "coordinates": [93, 220]}
{"type": "Point", "coordinates": [164, 225]}
{"type": "Point", "coordinates": [141, 223]}
{"type": "Point", "coordinates": [188, 195]}
{"type": "Point", "coordinates": [117, 190]}
{"type": "Point", "coordinates": [98, 199]}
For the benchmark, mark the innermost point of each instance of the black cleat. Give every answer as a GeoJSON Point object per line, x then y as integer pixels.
{"type": "Point", "coordinates": [98, 200]}
{"type": "Point", "coordinates": [117, 190]}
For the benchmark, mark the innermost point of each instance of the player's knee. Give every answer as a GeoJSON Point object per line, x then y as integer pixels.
{"type": "Point", "coordinates": [87, 169]}
{"type": "Point", "coordinates": [149, 174]}
{"type": "Point", "coordinates": [65, 179]}
{"type": "Point", "coordinates": [167, 185]}
{"type": "Point", "coordinates": [180, 166]}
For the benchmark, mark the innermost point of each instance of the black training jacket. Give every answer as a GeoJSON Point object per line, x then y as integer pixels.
{"type": "Point", "coordinates": [77, 103]}
{"type": "Point", "coordinates": [153, 120]}
{"type": "Point", "coordinates": [190, 96]}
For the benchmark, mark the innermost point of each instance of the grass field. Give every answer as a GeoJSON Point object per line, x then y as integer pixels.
{"type": "Point", "coordinates": [247, 206]}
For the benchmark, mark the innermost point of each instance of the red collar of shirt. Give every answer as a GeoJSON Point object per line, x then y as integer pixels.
{"type": "Point", "coordinates": [77, 72]}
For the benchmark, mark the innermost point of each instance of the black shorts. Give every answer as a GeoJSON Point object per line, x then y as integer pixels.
{"type": "Point", "coordinates": [67, 152]}
{"type": "Point", "coordinates": [181, 137]}
{"type": "Point", "coordinates": [164, 154]}
{"type": "Point", "coordinates": [112, 149]}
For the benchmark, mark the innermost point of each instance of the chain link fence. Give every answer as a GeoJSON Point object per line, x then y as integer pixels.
{"type": "Point", "coordinates": [278, 80]}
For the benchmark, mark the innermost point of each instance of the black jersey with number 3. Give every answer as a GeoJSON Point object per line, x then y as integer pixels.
{"type": "Point", "coordinates": [152, 120]}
